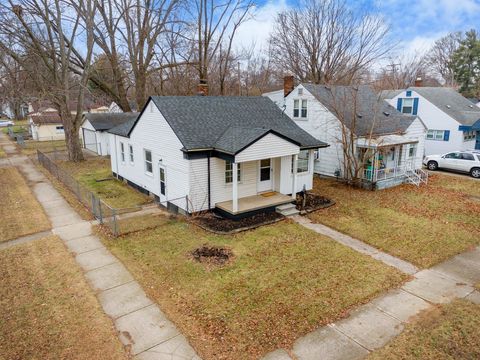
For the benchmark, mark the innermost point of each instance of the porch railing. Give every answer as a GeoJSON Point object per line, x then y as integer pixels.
{"type": "Point", "coordinates": [388, 172]}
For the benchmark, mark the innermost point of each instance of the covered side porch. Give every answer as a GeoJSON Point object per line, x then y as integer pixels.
{"type": "Point", "coordinates": [390, 160]}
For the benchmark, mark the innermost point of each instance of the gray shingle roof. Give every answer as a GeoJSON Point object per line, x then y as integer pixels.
{"type": "Point", "coordinates": [106, 121]}
{"type": "Point", "coordinates": [224, 123]}
{"type": "Point", "coordinates": [451, 102]}
{"type": "Point", "coordinates": [374, 116]}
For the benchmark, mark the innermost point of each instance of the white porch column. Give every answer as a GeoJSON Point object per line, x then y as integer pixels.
{"type": "Point", "coordinates": [294, 176]}
{"type": "Point", "coordinates": [235, 187]}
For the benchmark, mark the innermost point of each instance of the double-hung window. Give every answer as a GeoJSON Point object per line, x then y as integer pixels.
{"type": "Point", "coordinates": [468, 135]}
{"type": "Point", "coordinates": [407, 106]}
{"type": "Point", "coordinates": [130, 148]}
{"type": "Point", "coordinates": [229, 172]}
{"type": "Point", "coordinates": [162, 181]}
{"type": "Point", "coordinates": [436, 135]}
{"type": "Point", "coordinates": [60, 129]}
{"type": "Point", "coordinates": [299, 108]}
{"type": "Point", "coordinates": [302, 162]}
{"type": "Point", "coordinates": [148, 162]}
{"type": "Point", "coordinates": [412, 150]}
{"type": "Point", "coordinates": [122, 152]}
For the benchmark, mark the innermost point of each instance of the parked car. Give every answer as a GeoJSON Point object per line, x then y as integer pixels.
{"type": "Point", "coordinates": [467, 161]}
{"type": "Point", "coordinates": [5, 123]}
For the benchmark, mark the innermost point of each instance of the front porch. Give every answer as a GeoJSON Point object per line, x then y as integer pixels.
{"type": "Point", "coordinates": [251, 204]}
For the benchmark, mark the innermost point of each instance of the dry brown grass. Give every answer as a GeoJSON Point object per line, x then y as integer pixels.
{"type": "Point", "coordinates": [422, 225]}
{"type": "Point", "coordinates": [283, 282]}
{"type": "Point", "coordinates": [20, 212]}
{"type": "Point", "coordinates": [48, 310]}
{"type": "Point", "coordinates": [448, 332]}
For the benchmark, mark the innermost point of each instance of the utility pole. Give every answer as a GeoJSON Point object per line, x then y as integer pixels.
{"type": "Point", "coordinates": [394, 73]}
{"type": "Point", "coordinates": [239, 80]}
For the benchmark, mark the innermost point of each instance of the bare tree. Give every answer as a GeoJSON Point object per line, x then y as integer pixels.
{"type": "Point", "coordinates": [45, 33]}
{"type": "Point", "coordinates": [324, 41]}
{"type": "Point", "coordinates": [401, 72]}
{"type": "Point", "coordinates": [14, 89]}
{"type": "Point", "coordinates": [439, 58]}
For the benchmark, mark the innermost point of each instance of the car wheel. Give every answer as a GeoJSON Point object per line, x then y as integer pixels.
{"type": "Point", "coordinates": [432, 165]}
{"type": "Point", "coordinates": [475, 172]}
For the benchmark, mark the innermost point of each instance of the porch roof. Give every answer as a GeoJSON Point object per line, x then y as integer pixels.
{"type": "Point", "coordinates": [385, 141]}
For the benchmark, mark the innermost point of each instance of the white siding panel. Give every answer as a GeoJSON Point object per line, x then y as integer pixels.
{"type": "Point", "coordinates": [269, 146]}
{"type": "Point", "coordinates": [418, 131]}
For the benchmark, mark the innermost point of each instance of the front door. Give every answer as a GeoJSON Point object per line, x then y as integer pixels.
{"type": "Point", "coordinates": [265, 175]}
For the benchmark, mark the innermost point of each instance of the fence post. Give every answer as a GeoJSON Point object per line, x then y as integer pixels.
{"type": "Point", "coordinates": [186, 199]}
{"type": "Point", "coordinates": [114, 221]}
{"type": "Point", "coordinates": [100, 211]}
{"type": "Point", "coordinates": [93, 204]}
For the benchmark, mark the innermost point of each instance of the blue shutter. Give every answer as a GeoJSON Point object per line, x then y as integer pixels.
{"type": "Point", "coordinates": [446, 135]}
{"type": "Point", "coordinates": [399, 104]}
{"type": "Point", "coordinates": [409, 93]}
{"type": "Point", "coordinates": [415, 106]}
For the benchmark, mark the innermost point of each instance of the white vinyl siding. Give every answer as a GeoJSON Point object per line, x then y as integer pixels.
{"type": "Point", "coordinates": [270, 146]}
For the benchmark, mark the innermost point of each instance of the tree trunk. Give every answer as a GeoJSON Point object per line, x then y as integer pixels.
{"type": "Point", "coordinates": [140, 89]}
{"type": "Point", "coordinates": [71, 128]}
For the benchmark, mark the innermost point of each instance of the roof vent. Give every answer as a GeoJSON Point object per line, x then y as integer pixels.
{"type": "Point", "coordinates": [448, 106]}
{"type": "Point", "coordinates": [386, 113]}
{"type": "Point", "coordinates": [470, 106]}
{"type": "Point", "coordinates": [359, 115]}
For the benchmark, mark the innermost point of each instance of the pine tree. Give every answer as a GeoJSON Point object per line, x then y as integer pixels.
{"type": "Point", "coordinates": [466, 64]}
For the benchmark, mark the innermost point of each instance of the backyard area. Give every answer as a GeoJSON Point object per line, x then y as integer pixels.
{"type": "Point", "coordinates": [20, 212]}
{"type": "Point", "coordinates": [447, 332]}
{"type": "Point", "coordinates": [270, 285]}
{"type": "Point", "coordinates": [423, 225]}
{"type": "Point", "coordinates": [49, 311]}
{"type": "Point", "coordinates": [19, 127]}
{"type": "Point", "coordinates": [96, 175]}
{"type": "Point", "coordinates": [31, 146]}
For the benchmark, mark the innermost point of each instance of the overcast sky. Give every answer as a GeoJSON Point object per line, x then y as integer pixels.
{"type": "Point", "coordinates": [415, 24]}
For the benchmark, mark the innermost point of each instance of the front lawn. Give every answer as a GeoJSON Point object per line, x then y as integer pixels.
{"type": "Point", "coordinates": [423, 225]}
{"type": "Point", "coordinates": [282, 282]}
{"type": "Point", "coordinates": [20, 212]}
{"type": "Point", "coordinates": [19, 127]}
{"type": "Point", "coordinates": [448, 332]}
{"type": "Point", "coordinates": [31, 146]}
{"type": "Point", "coordinates": [115, 193]}
{"type": "Point", "coordinates": [48, 309]}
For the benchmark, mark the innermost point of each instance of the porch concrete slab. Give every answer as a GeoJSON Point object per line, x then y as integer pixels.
{"type": "Point", "coordinates": [123, 299]}
{"type": "Point", "coordinates": [144, 329]}
{"type": "Point", "coordinates": [109, 276]}
{"type": "Point", "coordinates": [45, 192]}
{"type": "Point", "coordinates": [95, 259]}
{"type": "Point", "coordinates": [64, 220]}
{"type": "Point", "coordinates": [436, 287]}
{"type": "Point", "coordinates": [279, 354]}
{"type": "Point", "coordinates": [84, 244]}
{"type": "Point", "coordinates": [176, 348]}
{"type": "Point", "coordinates": [474, 297]}
{"type": "Point", "coordinates": [327, 344]}
{"type": "Point", "coordinates": [460, 268]}
{"type": "Point", "coordinates": [74, 231]}
{"type": "Point", "coordinates": [400, 304]}
{"type": "Point", "coordinates": [370, 327]}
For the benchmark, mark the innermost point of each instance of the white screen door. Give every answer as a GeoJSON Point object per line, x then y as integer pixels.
{"type": "Point", "coordinates": [265, 175]}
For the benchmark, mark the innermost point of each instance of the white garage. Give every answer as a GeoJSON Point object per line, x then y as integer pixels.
{"type": "Point", "coordinates": [93, 130]}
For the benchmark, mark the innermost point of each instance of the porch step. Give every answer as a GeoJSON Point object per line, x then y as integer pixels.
{"type": "Point", "coordinates": [287, 209]}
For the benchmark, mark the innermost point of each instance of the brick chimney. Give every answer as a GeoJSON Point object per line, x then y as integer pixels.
{"type": "Point", "coordinates": [288, 85]}
{"type": "Point", "coordinates": [202, 88]}
{"type": "Point", "coordinates": [418, 82]}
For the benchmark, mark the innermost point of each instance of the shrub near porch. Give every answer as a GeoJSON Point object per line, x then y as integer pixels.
{"type": "Point", "coordinates": [423, 225]}
{"type": "Point", "coordinates": [283, 282]}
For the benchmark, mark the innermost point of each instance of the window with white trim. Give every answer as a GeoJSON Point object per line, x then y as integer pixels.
{"type": "Point", "coordinates": [148, 161]}
{"type": "Point", "coordinates": [468, 135]}
{"type": "Point", "coordinates": [122, 152]}
{"type": "Point", "coordinates": [436, 135]}
{"type": "Point", "coordinates": [59, 129]}
{"type": "Point", "coordinates": [407, 105]}
{"type": "Point", "coordinates": [162, 181]}
{"type": "Point", "coordinates": [300, 108]}
{"type": "Point", "coordinates": [412, 150]}
{"type": "Point", "coordinates": [229, 172]}
{"type": "Point", "coordinates": [302, 161]}
{"type": "Point", "coordinates": [130, 148]}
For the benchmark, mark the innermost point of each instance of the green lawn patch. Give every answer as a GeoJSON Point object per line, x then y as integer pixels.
{"type": "Point", "coordinates": [447, 332]}
{"type": "Point", "coordinates": [114, 192]}
{"type": "Point", "coordinates": [31, 146]}
{"type": "Point", "coordinates": [282, 282]}
{"type": "Point", "coordinates": [423, 225]}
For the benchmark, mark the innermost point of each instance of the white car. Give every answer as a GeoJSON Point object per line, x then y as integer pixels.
{"type": "Point", "coordinates": [5, 123]}
{"type": "Point", "coordinates": [467, 161]}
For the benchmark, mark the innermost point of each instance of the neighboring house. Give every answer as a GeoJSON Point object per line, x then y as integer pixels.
{"type": "Point", "coordinates": [94, 127]}
{"type": "Point", "coordinates": [453, 122]}
{"type": "Point", "coordinates": [233, 154]}
{"type": "Point", "coordinates": [393, 143]}
{"type": "Point", "coordinates": [115, 108]}
{"type": "Point", "coordinates": [46, 126]}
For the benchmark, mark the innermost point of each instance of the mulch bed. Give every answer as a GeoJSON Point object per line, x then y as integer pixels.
{"type": "Point", "coordinates": [220, 225]}
{"type": "Point", "coordinates": [314, 202]}
{"type": "Point", "coordinates": [212, 255]}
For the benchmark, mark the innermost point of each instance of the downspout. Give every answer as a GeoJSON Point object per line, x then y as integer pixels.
{"type": "Point", "coordinates": [208, 171]}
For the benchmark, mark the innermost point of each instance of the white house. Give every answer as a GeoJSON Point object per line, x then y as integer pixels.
{"type": "Point", "coordinates": [453, 122]}
{"type": "Point", "coordinates": [94, 127]}
{"type": "Point", "coordinates": [236, 155]}
{"type": "Point", "coordinates": [391, 144]}
{"type": "Point", "coordinates": [46, 125]}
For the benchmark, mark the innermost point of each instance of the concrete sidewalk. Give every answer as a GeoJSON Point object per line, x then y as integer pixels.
{"type": "Point", "coordinates": [373, 325]}
{"type": "Point", "coordinates": [141, 325]}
